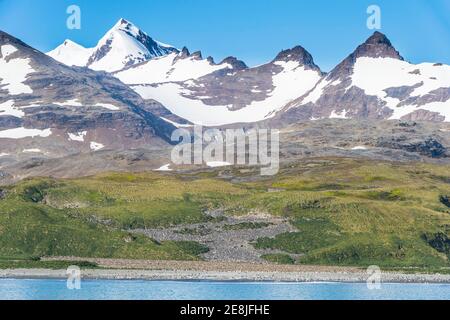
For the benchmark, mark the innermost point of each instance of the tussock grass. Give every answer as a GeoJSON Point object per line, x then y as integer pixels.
{"type": "Point", "coordinates": [346, 212]}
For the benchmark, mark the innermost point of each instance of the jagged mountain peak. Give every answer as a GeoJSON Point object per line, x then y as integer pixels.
{"type": "Point", "coordinates": [235, 63]}
{"type": "Point", "coordinates": [375, 82]}
{"type": "Point", "coordinates": [71, 53]}
{"type": "Point", "coordinates": [298, 54]}
{"type": "Point", "coordinates": [122, 46]}
{"type": "Point", "coordinates": [197, 55]}
{"type": "Point", "coordinates": [126, 26]}
{"type": "Point", "coordinates": [121, 23]}
{"type": "Point", "coordinates": [184, 53]}
{"type": "Point", "coordinates": [69, 42]}
{"type": "Point", "coordinates": [376, 46]}
{"type": "Point", "coordinates": [125, 45]}
{"type": "Point", "coordinates": [66, 46]}
{"type": "Point", "coordinates": [377, 37]}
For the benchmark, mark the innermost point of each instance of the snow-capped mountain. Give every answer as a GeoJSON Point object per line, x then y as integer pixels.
{"type": "Point", "coordinates": [210, 94]}
{"type": "Point", "coordinates": [373, 82]}
{"type": "Point", "coordinates": [122, 46]}
{"type": "Point", "coordinates": [105, 121]}
{"type": "Point", "coordinates": [376, 82]}
{"type": "Point", "coordinates": [175, 67]}
{"type": "Point", "coordinates": [55, 109]}
{"type": "Point", "coordinates": [71, 54]}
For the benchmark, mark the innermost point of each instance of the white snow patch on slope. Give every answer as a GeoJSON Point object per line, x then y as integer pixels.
{"type": "Point", "coordinates": [32, 150]}
{"type": "Point", "coordinates": [79, 136]}
{"type": "Point", "coordinates": [443, 108]}
{"type": "Point", "coordinates": [359, 148]}
{"type": "Point", "coordinates": [293, 81]}
{"type": "Point", "coordinates": [19, 133]}
{"type": "Point", "coordinates": [176, 124]}
{"type": "Point", "coordinates": [374, 75]}
{"type": "Point", "coordinates": [340, 115]}
{"type": "Point", "coordinates": [217, 164]}
{"type": "Point", "coordinates": [70, 103]}
{"type": "Point", "coordinates": [14, 72]}
{"type": "Point", "coordinates": [169, 69]}
{"type": "Point", "coordinates": [7, 50]}
{"type": "Point", "coordinates": [315, 94]}
{"type": "Point", "coordinates": [77, 103]}
{"type": "Point", "coordinates": [71, 54]}
{"type": "Point", "coordinates": [10, 108]}
{"type": "Point", "coordinates": [108, 106]}
{"type": "Point", "coordinates": [193, 69]}
{"type": "Point", "coordinates": [95, 146]}
{"type": "Point", "coordinates": [165, 167]}
{"type": "Point", "coordinates": [7, 108]}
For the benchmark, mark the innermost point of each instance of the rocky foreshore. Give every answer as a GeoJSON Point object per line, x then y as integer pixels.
{"type": "Point", "coordinates": [127, 269]}
{"type": "Point", "coordinates": [191, 275]}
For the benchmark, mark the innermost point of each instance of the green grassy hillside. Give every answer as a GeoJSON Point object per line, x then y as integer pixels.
{"type": "Point", "coordinates": [31, 228]}
{"type": "Point", "coordinates": [347, 212]}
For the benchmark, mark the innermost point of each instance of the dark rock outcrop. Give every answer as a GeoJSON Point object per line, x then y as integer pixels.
{"type": "Point", "coordinates": [429, 147]}
{"type": "Point", "coordinates": [235, 63]}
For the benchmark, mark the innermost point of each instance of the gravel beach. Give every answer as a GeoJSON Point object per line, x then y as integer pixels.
{"type": "Point", "coordinates": [211, 271]}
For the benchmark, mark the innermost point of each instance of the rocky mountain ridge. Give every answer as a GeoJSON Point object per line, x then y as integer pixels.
{"type": "Point", "coordinates": [373, 82]}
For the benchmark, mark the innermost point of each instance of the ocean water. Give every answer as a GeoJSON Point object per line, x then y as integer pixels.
{"type": "Point", "coordinates": [24, 289]}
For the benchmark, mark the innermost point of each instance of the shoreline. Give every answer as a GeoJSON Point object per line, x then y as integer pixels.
{"type": "Point", "coordinates": [165, 270]}
{"type": "Point", "coordinates": [227, 276]}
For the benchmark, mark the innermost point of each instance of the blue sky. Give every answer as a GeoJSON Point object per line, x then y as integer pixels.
{"type": "Point", "coordinates": [253, 30]}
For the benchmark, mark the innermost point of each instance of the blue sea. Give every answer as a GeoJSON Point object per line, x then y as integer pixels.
{"type": "Point", "coordinates": [43, 289]}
